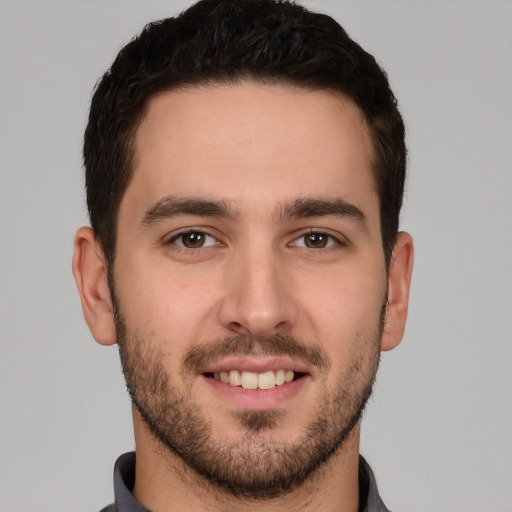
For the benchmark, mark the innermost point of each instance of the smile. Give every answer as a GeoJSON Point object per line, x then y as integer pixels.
{"type": "Point", "coordinates": [252, 380]}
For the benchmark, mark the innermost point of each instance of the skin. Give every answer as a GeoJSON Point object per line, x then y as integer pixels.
{"type": "Point", "coordinates": [256, 149]}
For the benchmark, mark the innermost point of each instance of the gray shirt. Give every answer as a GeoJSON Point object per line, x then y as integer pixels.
{"type": "Point", "coordinates": [124, 480]}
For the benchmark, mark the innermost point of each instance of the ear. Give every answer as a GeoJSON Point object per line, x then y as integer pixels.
{"type": "Point", "coordinates": [399, 282]}
{"type": "Point", "coordinates": [90, 272]}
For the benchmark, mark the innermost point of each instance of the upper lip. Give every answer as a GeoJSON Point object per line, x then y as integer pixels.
{"type": "Point", "coordinates": [256, 364]}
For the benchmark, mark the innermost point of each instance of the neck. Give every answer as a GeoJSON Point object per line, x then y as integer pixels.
{"type": "Point", "coordinates": [164, 482]}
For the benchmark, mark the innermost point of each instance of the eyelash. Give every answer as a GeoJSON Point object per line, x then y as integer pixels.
{"type": "Point", "coordinates": [331, 240]}
{"type": "Point", "coordinates": [173, 240]}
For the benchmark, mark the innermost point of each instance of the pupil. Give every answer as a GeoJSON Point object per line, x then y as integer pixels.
{"type": "Point", "coordinates": [193, 239]}
{"type": "Point", "coordinates": [316, 240]}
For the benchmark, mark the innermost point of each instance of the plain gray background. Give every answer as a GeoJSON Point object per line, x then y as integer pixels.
{"type": "Point", "coordinates": [438, 429]}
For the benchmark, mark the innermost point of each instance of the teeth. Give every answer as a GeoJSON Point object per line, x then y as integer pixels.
{"type": "Point", "coordinates": [251, 380]}
{"type": "Point", "coordinates": [234, 378]}
{"type": "Point", "coordinates": [266, 380]}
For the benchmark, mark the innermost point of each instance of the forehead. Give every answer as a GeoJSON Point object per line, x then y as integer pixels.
{"type": "Point", "coordinates": [251, 143]}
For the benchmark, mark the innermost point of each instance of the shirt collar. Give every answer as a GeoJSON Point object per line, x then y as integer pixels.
{"type": "Point", "coordinates": [124, 480]}
{"type": "Point", "coordinates": [369, 499]}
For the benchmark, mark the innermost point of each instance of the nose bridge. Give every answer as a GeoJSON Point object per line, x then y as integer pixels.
{"type": "Point", "coordinates": [257, 299]}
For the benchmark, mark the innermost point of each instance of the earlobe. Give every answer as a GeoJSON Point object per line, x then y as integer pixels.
{"type": "Point", "coordinates": [399, 282]}
{"type": "Point", "coordinates": [90, 272]}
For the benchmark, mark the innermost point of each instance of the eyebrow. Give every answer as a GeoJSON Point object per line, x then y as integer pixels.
{"type": "Point", "coordinates": [301, 208]}
{"type": "Point", "coordinates": [313, 207]}
{"type": "Point", "coordinates": [170, 206]}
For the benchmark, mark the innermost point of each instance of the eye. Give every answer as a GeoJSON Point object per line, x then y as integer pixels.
{"type": "Point", "coordinates": [315, 240]}
{"type": "Point", "coordinates": [193, 240]}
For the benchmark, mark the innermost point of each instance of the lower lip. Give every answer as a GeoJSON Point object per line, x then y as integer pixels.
{"type": "Point", "coordinates": [256, 399]}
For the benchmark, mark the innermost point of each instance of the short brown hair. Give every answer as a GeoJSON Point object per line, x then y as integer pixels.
{"type": "Point", "coordinates": [227, 41]}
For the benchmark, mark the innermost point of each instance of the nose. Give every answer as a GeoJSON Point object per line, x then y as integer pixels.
{"type": "Point", "coordinates": [258, 297]}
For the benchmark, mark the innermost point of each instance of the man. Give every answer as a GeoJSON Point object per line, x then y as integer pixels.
{"type": "Point", "coordinates": [245, 164]}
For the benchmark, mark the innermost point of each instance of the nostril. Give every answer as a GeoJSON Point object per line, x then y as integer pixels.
{"type": "Point", "coordinates": [283, 326]}
{"type": "Point", "coordinates": [239, 328]}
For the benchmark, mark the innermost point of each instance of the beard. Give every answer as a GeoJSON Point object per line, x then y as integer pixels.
{"type": "Point", "coordinates": [253, 466]}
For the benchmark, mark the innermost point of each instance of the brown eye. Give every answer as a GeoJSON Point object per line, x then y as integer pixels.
{"type": "Point", "coordinates": [316, 240]}
{"type": "Point", "coordinates": [193, 240]}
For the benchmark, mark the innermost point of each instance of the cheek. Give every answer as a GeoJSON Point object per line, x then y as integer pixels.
{"type": "Point", "coordinates": [163, 303]}
{"type": "Point", "coordinates": [345, 308]}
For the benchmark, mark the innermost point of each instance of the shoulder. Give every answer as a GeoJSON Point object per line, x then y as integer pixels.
{"type": "Point", "coordinates": [109, 508]}
{"type": "Point", "coordinates": [369, 498]}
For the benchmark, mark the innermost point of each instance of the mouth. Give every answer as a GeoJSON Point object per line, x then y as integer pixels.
{"type": "Point", "coordinates": [255, 380]}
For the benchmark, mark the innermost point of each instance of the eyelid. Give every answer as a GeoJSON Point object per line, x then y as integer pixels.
{"type": "Point", "coordinates": [173, 237]}
{"type": "Point", "coordinates": [337, 238]}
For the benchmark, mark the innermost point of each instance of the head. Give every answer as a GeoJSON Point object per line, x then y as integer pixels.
{"type": "Point", "coordinates": [245, 165]}
{"type": "Point", "coordinates": [228, 42]}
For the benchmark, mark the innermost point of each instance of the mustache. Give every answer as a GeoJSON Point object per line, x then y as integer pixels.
{"type": "Point", "coordinates": [199, 355]}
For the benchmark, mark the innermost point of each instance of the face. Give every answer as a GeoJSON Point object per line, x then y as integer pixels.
{"type": "Point", "coordinates": [250, 280]}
